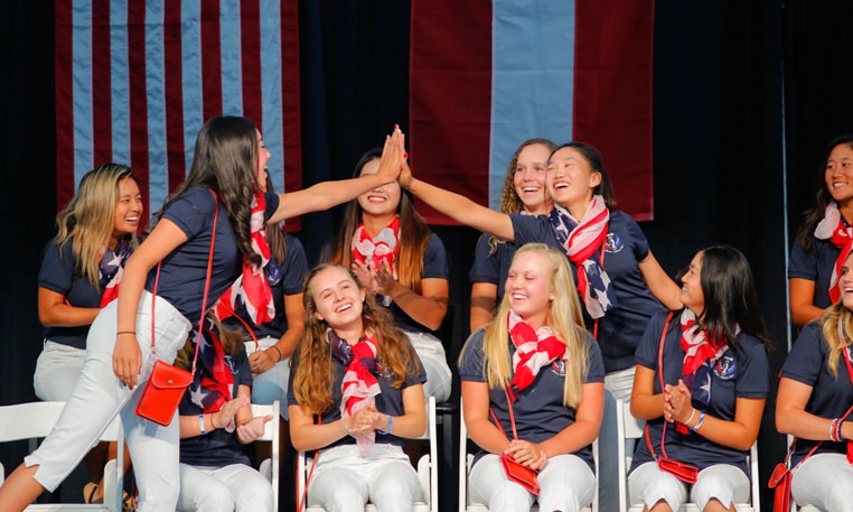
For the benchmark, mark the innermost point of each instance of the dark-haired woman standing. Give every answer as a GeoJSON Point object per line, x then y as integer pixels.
{"type": "Point", "coordinates": [715, 379]}
{"type": "Point", "coordinates": [227, 168]}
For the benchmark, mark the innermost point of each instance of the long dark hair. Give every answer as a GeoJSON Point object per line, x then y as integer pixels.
{"type": "Point", "coordinates": [812, 216]}
{"type": "Point", "coordinates": [595, 161]}
{"type": "Point", "coordinates": [731, 300]}
{"type": "Point", "coordinates": [414, 233]}
{"type": "Point", "coordinates": [225, 161]}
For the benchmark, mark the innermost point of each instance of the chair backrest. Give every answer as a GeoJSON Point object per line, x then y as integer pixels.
{"type": "Point", "coordinates": [629, 427]}
{"type": "Point", "coordinates": [272, 434]}
{"type": "Point", "coordinates": [34, 420]}
{"type": "Point", "coordinates": [427, 469]}
{"type": "Point", "coordinates": [465, 465]}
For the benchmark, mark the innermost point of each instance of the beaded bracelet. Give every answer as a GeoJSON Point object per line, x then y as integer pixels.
{"type": "Point", "coordinates": [699, 423]}
{"type": "Point", "coordinates": [201, 424]}
{"type": "Point", "coordinates": [390, 426]}
{"type": "Point", "coordinates": [835, 430]}
{"type": "Point", "coordinates": [838, 430]}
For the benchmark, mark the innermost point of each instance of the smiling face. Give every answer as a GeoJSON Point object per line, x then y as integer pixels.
{"type": "Point", "coordinates": [379, 201]}
{"type": "Point", "coordinates": [571, 181]}
{"type": "Point", "coordinates": [337, 298]}
{"type": "Point", "coordinates": [128, 209]}
{"type": "Point", "coordinates": [529, 179]}
{"type": "Point", "coordinates": [692, 295]}
{"type": "Point", "coordinates": [528, 287]}
{"type": "Point", "coordinates": [839, 173]}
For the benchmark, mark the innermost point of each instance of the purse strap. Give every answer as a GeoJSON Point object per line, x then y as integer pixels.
{"type": "Point", "coordinates": [206, 286]}
{"type": "Point", "coordinates": [660, 380]}
{"type": "Point", "coordinates": [511, 415]}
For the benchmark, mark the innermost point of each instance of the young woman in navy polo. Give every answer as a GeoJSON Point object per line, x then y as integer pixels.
{"type": "Point", "coordinates": [621, 283]}
{"type": "Point", "coordinates": [715, 374]}
{"type": "Point", "coordinates": [227, 167]}
{"type": "Point", "coordinates": [534, 364]}
{"type": "Point", "coordinates": [814, 400]}
{"type": "Point", "coordinates": [813, 266]}
{"type": "Point", "coordinates": [523, 192]}
{"type": "Point", "coordinates": [356, 393]}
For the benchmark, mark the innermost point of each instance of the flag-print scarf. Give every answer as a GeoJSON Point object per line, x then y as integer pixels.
{"type": "Point", "coordinates": [253, 287]}
{"type": "Point", "coordinates": [111, 268]}
{"type": "Point", "coordinates": [360, 386]}
{"type": "Point", "coordinates": [213, 381]}
{"type": "Point", "coordinates": [833, 228]}
{"type": "Point", "coordinates": [371, 252]}
{"type": "Point", "coordinates": [533, 350]}
{"type": "Point", "coordinates": [700, 354]}
{"type": "Point", "coordinates": [582, 241]}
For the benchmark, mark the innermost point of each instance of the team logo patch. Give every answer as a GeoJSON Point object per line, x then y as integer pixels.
{"type": "Point", "coordinates": [725, 367]}
{"type": "Point", "coordinates": [559, 367]}
{"type": "Point", "coordinates": [613, 243]}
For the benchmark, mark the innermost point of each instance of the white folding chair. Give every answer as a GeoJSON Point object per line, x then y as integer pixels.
{"type": "Point", "coordinates": [466, 459]}
{"type": "Point", "coordinates": [629, 427]}
{"type": "Point", "coordinates": [33, 421]}
{"type": "Point", "coordinates": [427, 470]}
{"type": "Point", "coordinates": [272, 433]}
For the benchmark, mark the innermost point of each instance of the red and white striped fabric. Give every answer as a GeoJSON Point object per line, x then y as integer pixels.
{"type": "Point", "coordinates": [485, 76]}
{"type": "Point", "coordinates": [359, 386]}
{"type": "Point", "coordinates": [136, 80]}
{"type": "Point", "coordinates": [533, 350]}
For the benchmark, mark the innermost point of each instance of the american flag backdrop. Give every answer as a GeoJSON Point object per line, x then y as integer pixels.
{"type": "Point", "coordinates": [488, 75]}
{"type": "Point", "coordinates": [136, 79]}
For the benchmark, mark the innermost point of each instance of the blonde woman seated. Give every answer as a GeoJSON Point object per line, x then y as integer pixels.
{"type": "Point", "coordinates": [536, 364]}
{"type": "Point", "coordinates": [815, 395]}
{"type": "Point", "coordinates": [356, 392]}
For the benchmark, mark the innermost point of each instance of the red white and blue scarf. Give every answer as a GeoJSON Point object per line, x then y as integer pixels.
{"type": "Point", "coordinates": [582, 241]}
{"type": "Point", "coordinates": [360, 385]}
{"type": "Point", "coordinates": [213, 381]}
{"type": "Point", "coordinates": [833, 228]}
{"type": "Point", "coordinates": [384, 247]}
{"type": "Point", "coordinates": [533, 350]}
{"type": "Point", "coordinates": [111, 269]}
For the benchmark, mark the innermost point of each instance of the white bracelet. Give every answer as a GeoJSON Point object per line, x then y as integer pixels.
{"type": "Point", "coordinates": [691, 416]}
{"type": "Point", "coordinates": [201, 424]}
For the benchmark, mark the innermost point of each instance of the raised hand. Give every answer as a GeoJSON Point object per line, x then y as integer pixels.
{"type": "Point", "coordinates": [392, 156]}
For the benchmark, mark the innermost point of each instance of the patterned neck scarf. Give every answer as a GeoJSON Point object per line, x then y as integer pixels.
{"type": "Point", "coordinates": [111, 268]}
{"type": "Point", "coordinates": [700, 354]}
{"type": "Point", "coordinates": [213, 381]}
{"type": "Point", "coordinates": [834, 228]}
{"type": "Point", "coordinates": [252, 288]}
{"type": "Point", "coordinates": [533, 350]}
{"type": "Point", "coordinates": [372, 252]}
{"type": "Point", "coordinates": [360, 386]}
{"type": "Point", "coordinates": [582, 241]}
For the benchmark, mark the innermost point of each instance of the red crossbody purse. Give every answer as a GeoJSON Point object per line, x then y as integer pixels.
{"type": "Point", "coordinates": [685, 472]}
{"type": "Point", "coordinates": [166, 386]}
{"type": "Point", "coordinates": [516, 471]}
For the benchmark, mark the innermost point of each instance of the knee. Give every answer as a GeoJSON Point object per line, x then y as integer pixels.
{"type": "Point", "coordinates": [215, 498]}
{"type": "Point", "coordinates": [257, 497]}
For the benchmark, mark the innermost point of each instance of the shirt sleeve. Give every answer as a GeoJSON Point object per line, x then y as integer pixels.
{"type": "Point", "coordinates": [471, 365]}
{"type": "Point", "coordinates": [294, 267]}
{"type": "Point", "coordinates": [595, 369]}
{"type": "Point", "coordinates": [806, 358]}
{"type": "Point", "coordinates": [754, 379]}
{"type": "Point", "coordinates": [57, 268]}
{"type": "Point", "coordinates": [803, 264]}
{"type": "Point", "coordinates": [486, 267]}
{"type": "Point", "coordinates": [192, 211]}
{"type": "Point", "coordinates": [435, 259]}
{"type": "Point", "coordinates": [647, 351]}
{"type": "Point", "coordinates": [640, 244]}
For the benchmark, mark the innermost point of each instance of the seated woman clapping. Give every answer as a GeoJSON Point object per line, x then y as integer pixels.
{"type": "Point", "coordinates": [356, 392]}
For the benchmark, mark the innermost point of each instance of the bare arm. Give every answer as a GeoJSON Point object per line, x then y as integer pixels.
{"type": "Point", "coordinates": [427, 308]}
{"type": "Point", "coordinates": [459, 207]}
{"type": "Point", "coordinates": [484, 301]}
{"type": "Point", "coordinates": [54, 312]}
{"type": "Point", "coordinates": [327, 194]}
{"type": "Point", "coordinates": [801, 293]}
{"type": "Point", "coordinates": [127, 358]}
{"type": "Point", "coordinates": [792, 417]}
{"type": "Point", "coordinates": [662, 287]}
{"type": "Point", "coordinates": [189, 424]}
{"type": "Point", "coordinates": [263, 360]}
{"type": "Point", "coordinates": [475, 396]}
{"type": "Point", "coordinates": [645, 404]}
{"type": "Point", "coordinates": [586, 426]}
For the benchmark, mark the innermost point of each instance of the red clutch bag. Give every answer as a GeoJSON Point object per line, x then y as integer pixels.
{"type": "Point", "coordinates": [163, 393]}
{"type": "Point", "coordinates": [520, 474]}
{"type": "Point", "coordinates": [780, 480]}
{"type": "Point", "coordinates": [680, 470]}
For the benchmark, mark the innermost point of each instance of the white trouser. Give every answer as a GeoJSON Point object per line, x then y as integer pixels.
{"type": "Point", "coordinates": [727, 484]}
{"type": "Point", "coordinates": [271, 385]}
{"type": "Point", "coordinates": [345, 480]}
{"type": "Point", "coordinates": [233, 488]}
{"type": "Point", "coordinates": [566, 483]}
{"type": "Point", "coordinates": [825, 480]}
{"type": "Point", "coordinates": [432, 356]}
{"type": "Point", "coordinates": [98, 396]}
{"type": "Point", "coordinates": [57, 369]}
{"type": "Point", "coordinates": [617, 386]}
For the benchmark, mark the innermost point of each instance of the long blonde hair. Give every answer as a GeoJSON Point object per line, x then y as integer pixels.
{"type": "Point", "coordinates": [313, 371]}
{"type": "Point", "coordinates": [829, 325]}
{"type": "Point", "coordinates": [564, 318]}
{"type": "Point", "coordinates": [88, 221]}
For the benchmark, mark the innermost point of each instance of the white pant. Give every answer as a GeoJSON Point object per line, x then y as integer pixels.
{"type": "Point", "coordinates": [272, 384]}
{"type": "Point", "coordinates": [648, 485]}
{"type": "Point", "coordinates": [566, 483]}
{"type": "Point", "coordinates": [345, 480]}
{"type": "Point", "coordinates": [431, 353]}
{"type": "Point", "coordinates": [57, 369]}
{"type": "Point", "coordinates": [824, 480]}
{"type": "Point", "coordinates": [617, 386]}
{"type": "Point", "coordinates": [233, 488]}
{"type": "Point", "coordinates": [98, 396]}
